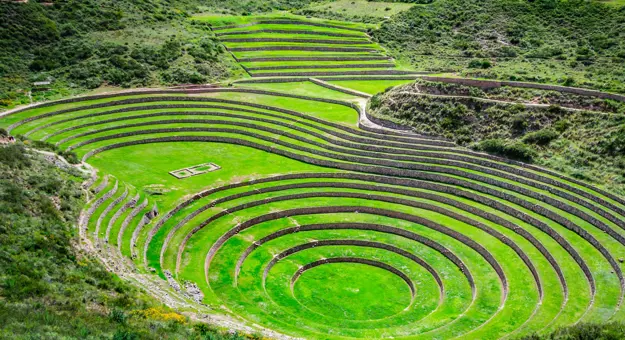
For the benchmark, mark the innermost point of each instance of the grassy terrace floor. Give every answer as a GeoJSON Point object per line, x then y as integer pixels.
{"type": "Point", "coordinates": [316, 228]}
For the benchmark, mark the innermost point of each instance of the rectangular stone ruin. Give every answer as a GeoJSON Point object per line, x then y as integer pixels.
{"type": "Point", "coordinates": [195, 170]}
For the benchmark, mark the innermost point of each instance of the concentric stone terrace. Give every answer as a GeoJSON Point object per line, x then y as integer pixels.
{"type": "Point", "coordinates": [318, 228]}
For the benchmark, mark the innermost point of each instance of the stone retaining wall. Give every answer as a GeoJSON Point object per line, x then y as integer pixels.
{"type": "Point", "coordinates": [294, 67]}
{"type": "Point", "coordinates": [326, 78]}
{"type": "Point", "coordinates": [289, 22]}
{"type": "Point", "coordinates": [302, 48]}
{"type": "Point", "coordinates": [441, 199]}
{"type": "Point", "coordinates": [313, 58]}
{"type": "Point", "coordinates": [348, 209]}
{"type": "Point", "coordinates": [428, 223]}
{"type": "Point", "coordinates": [412, 76]}
{"type": "Point", "coordinates": [200, 99]}
{"type": "Point", "coordinates": [272, 80]}
{"type": "Point", "coordinates": [611, 196]}
{"type": "Point", "coordinates": [368, 262]}
{"type": "Point", "coordinates": [118, 214]}
{"type": "Point", "coordinates": [84, 222]}
{"type": "Point", "coordinates": [88, 183]}
{"type": "Point", "coordinates": [103, 184]}
{"type": "Point", "coordinates": [386, 123]}
{"type": "Point", "coordinates": [302, 32]}
{"type": "Point", "coordinates": [385, 137]}
{"type": "Point", "coordinates": [339, 88]}
{"type": "Point", "coordinates": [383, 162]}
{"type": "Point", "coordinates": [107, 210]}
{"type": "Point", "coordinates": [332, 73]}
{"type": "Point", "coordinates": [298, 40]}
{"type": "Point", "coordinates": [145, 219]}
{"type": "Point", "coordinates": [135, 211]}
{"type": "Point", "coordinates": [496, 83]}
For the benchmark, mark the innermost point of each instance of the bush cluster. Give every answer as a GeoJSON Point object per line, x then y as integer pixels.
{"type": "Point", "coordinates": [541, 137]}
{"type": "Point", "coordinates": [512, 150]}
{"type": "Point", "coordinates": [70, 156]}
{"type": "Point", "coordinates": [608, 331]}
{"type": "Point", "coordinates": [614, 142]}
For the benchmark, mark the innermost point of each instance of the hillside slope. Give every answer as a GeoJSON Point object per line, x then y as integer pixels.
{"type": "Point", "coordinates": [578, 135]}
{"type": "Point", "coordinates": [572, 42]}
{"type": "Point", "coordinates": [81, 45]}
{"type": "Point", "coordinates": [48, 288]}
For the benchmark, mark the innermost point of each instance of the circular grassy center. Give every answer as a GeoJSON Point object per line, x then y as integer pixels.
{"type": "Point", "coordinates": [352, 291]}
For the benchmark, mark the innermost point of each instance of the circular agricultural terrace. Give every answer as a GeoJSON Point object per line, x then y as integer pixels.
{"type": "Point", "coordinates": [313, 227]}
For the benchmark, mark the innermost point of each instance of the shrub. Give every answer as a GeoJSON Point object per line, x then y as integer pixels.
{"type": "Point", "coordinates": [608, 331]}
{"type": "Point", "coordinates": [118, 315]}
{"type": "Point", "coordinates": [14, 156]}
{"type": "Point", "coordinates": [514, 150]}
{"type": "Point", "coordinates": [541, 137]}
{"type": "Point", "coordinates": [70, 157]}
{"type": "Point", "coordinates": [123, 334]}
{"type": "Point", "coordinates": [614, 144]}
{"type": "Point", "coordinates": [519, 121]}
{"type": "Point", "coordinates": [561, 125]}
{"type": "Point", "coordinates": [203, 329]}
{"type": "Point", "coordinates": [569, 81]}
{"type": "Point", "coordinates": [476, 63]}
{"type": "Point", "coordinates": [375, 102]}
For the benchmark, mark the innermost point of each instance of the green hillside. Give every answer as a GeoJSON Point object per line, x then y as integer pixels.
{"type": "Point", "coordinates": [577, 43]}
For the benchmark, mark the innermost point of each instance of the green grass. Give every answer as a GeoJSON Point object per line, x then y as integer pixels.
{"type": "Point", "coordinates": [304, 88]}
{"type": "Point", "coordinates": [311, 35]}
{"type": "Point", "coordinates": [221, 20]}
{"type": "Point", "coordinates": [353, 300]}
{"type": "Point", "coordinates": [172, 156]}
{"type": "Point", "coordinates": [361, 8]}
{"type": "Point", "coordinates": [259, 26]}
{"type": "Point", "coordinates": [364, 48]}
{"type": "Point", "coordinates": [338, 42]}
{"type": "Point", "coordinates": [304, 63]}
{"type": "Point", "coordinates": [371, 87]}
{"type": "Point", "coordinates": [327, 111]}
{"type": "Point", "coordinates": [165, 175]}
{"type": "Point", "coordinates": [252, 54]}
{"type": "Point", "coordinates": [327, 70]}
